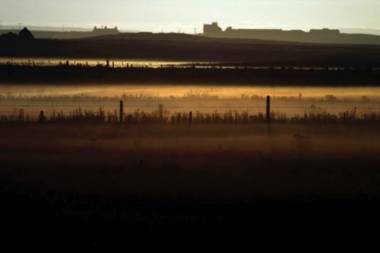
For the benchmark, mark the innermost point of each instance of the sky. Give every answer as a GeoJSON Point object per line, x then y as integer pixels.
{"type": "Point", "coordinates": [189, 15]}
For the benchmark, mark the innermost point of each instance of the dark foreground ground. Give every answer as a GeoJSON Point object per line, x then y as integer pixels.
{"type": "Point", "coordinates": [147, 185]}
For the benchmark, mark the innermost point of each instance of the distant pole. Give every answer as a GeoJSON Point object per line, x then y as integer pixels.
{"type": "Point", "coordinates": [268, 114]}
{"type": "Point", "coordinates": [121, 111]}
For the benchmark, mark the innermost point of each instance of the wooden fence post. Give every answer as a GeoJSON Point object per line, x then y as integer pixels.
{"type": "Point", "coordinates": [121, 111]}
{"type": "Point", "coordinates": [41, 117]}
{"type": "Point", "coordinates": [268, 113]}
{"type": "Point", "coordinates": [161, 112]}
{"type": "Point", "coordinates": [190, 118]}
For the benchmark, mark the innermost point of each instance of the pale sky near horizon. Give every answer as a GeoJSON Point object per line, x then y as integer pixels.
{"type": "Point", "coordinates": [188, 15]}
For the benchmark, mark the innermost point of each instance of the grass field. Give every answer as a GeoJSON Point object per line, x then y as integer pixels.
{"type": "Point", "coordinates": [280, 161]}
{"type": "Point", "coordinates": [94, 185]}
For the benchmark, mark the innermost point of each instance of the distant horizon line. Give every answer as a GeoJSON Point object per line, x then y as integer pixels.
{"type": "Point", "coordinates": [375, 31]}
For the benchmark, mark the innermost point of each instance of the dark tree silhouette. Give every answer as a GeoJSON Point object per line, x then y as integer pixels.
{"type": "Point", "coordinates": [9, 36]}
{"type": "Point", "coordinates": [25, 34]}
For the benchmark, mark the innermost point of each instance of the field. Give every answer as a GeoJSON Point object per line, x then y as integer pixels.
{"type": "Point", "coordinates": [200, 99]}
{"type": "Point", "coordinates": [161, 178]}
{"type": "Point", "coordinates": [139, 140]}
{"type": "Point", "coordinates": [277, 161]}
{"type": "Point", "coordinates": [88, 179]}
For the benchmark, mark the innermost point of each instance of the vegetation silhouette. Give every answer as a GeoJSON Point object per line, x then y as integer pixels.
{"type": "Point", "coordinates": [23, 35]}
{"type": "Point", "coordinates": [162, 116]}
{"type": "Point", "coordinates": [193, 48]}
{"type": "Point", "coordinates": [71, 33]}
{"type": "Point", "coordinates": [337, 75]}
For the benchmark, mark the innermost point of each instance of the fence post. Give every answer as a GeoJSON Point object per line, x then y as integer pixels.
{"type": "Point", "coordinates": [268, 114]}
{"type": "Point", "coordinates": [41, 117]}
{"type": "Point", "coordinates": [161, 112]}
{"type": "Point", "coordinates": [21, 115]}
{"type": "Point", "coordinates": [190, 118]}
{"type": "Point", "coordinates": [121, 111]}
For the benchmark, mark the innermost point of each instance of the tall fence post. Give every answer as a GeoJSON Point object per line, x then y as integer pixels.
{"type": "Point", "coordinates": [121, 111]}
{"type": "Point", "coordinates": [161, 112]}
{"type": "Point", "coordinates": [190, 118]}
{"type": "Point", "coordinates": [41, 117]}
{"type": "Point", "coordinates": [21, 115]}
{"type": "Point", "coordinates": [268, 113]}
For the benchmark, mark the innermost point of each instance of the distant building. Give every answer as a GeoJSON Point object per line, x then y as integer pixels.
{"type": "Point", "coordinates": [325, 32]}
{"type": "Point", "coordinates": [253, 33]}
{"type": "Point", "coordinates": [105, 31]}
{"type": "Point", "coordinates": [315, 35]}
{"type": "Point", "coordinates": [212, 30]}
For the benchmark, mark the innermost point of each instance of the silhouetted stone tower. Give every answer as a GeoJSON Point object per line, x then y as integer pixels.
{"type": "Point", "coordinates": [121, 111]}
{"type": "Point", "coordinates": [268, 114]}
